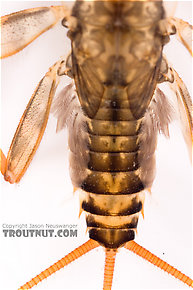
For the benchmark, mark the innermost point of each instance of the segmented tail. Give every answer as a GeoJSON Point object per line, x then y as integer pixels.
{"type": "Point", "coordinates": [78, 252]}
{"type": "Point", "coordinates": [110, 255]}
{"type": "Point", "coordinates": [148, 256]}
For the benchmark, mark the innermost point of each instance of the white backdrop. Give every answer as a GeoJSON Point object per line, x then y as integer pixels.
{"type": "Point", "coordinates": [44, 195]}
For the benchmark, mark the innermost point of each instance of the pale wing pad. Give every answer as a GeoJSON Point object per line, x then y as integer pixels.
{"type": "Point", "coordinates": [21, 28]}
{"type": "Point", "coordinates": [31, 127]}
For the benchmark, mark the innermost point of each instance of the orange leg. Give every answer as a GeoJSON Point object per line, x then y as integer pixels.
{"type": "Point", "coordinates": [31, 127]}
{"type": "Point", "coordinates": [40, 18]}
{"type": "Point", "coordinates": [3, 162]}
{"type": "Point", "coordinates": [8, 176]}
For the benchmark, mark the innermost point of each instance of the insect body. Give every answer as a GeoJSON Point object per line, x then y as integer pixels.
{"type": "Point", "coordinates": [110, 159]}
{"type": "Point", "coordinates": [110, 85]}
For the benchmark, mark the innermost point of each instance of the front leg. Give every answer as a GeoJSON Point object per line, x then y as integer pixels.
{"type": "Point", "coordinates": [20, 28]}
{"type": "Point", "coordinates": [181, 28]}
{"type": "Point", "coordinates": [184, 32]}
{"type": "Point", "coordinates": [31, 127]}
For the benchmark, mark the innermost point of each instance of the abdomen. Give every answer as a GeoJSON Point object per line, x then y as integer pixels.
{"type": "Point", "coordinates": [116, 56]}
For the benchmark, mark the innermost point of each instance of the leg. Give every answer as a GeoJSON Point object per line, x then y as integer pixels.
{"type": "Point", "coordinates": [16, 28]}
{"type": "Point", "coordinates": [184, 104]}
{"type": "Point", "coordinates": [3, 162]}
{"type": "Point", "coordinates": [182, 29]}
{"type": "Point", "coordinates": [182, 100]}
{"type": "Point", "coordinates": [184, 32]}
{"type": "Point", "coordinates": [31, 127]}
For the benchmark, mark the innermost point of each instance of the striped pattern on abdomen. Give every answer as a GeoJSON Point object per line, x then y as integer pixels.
{"type": "Point", "coordinates": [115, 65]}
{"type": "Point", "coordinates": [112, 191]}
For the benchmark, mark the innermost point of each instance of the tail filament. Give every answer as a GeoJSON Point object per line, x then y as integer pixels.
{"type": "Point", "coordinates": [110, 255]}
{"type": "Point", "coordinates": [148, 256]}
{"type": "Point", "coordinates": [78, 252]}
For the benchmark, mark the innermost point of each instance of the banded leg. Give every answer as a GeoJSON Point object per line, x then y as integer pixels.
{"type": "Point", "coordinates": [31, 126]}
{"type": "Point", "coordinates": [21, 28]}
